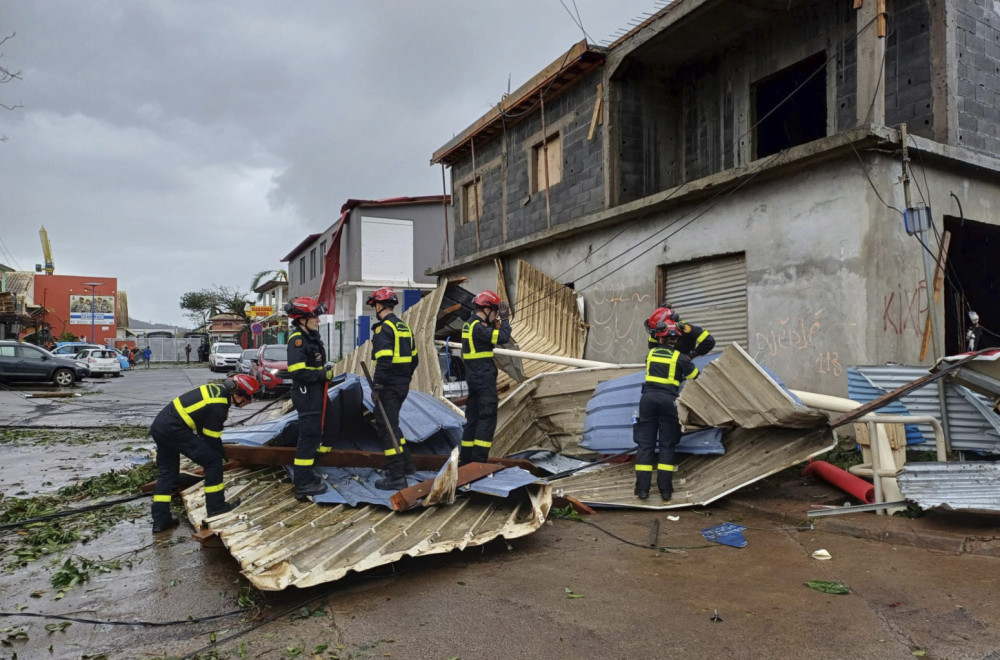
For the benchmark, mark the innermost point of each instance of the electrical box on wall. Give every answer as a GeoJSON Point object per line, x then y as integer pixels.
{"type": "Point", "coordinates": [917, 219]}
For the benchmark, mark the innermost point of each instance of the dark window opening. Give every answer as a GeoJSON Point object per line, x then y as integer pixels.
{"type": "Point", "coordinates": [972, 284]}
{"type": "Point", "coordinates": [799, 119]}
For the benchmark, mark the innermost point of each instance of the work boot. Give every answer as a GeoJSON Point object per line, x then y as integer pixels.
{"type": "Point", "coordinates": [642, 494]}
{"type": "Point", "coordinates": [394, 476]}
{"type": "Point", "coordinates": [665, 482]}
{"type": "Point", "coordinates": [164, 525]}
{"type": "Point", "coordinates": [225, 507]}
{"type": "Point", "coordinates": [318, 487]}
{"type": "Point", "coordinates": [666, 494]}
{"type": "Point", "coordinates": [408, 466]}
{"type": "Point", "coordinates": [389, 482]}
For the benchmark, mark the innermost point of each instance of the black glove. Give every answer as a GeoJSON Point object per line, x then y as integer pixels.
{"type": "Point", "coordinates": [503, 311]}
{"type": "Point", "coordinates": [375, 393]}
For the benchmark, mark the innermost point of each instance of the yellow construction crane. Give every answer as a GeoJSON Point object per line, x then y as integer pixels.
{"type": "Point", "coordinates": [47, 251]}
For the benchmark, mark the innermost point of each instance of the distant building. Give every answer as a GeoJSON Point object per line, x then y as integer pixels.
{"type": "Point", "coordinates": [226, 327]}
{"type": "Point", "coordinates": [70, 305]}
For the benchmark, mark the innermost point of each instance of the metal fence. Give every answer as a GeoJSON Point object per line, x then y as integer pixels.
{"type": "Point", "coordinates": [169, 349]}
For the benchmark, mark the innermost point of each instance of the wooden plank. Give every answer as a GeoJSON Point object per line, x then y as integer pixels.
{"type": "Point", "coordinates": [938, 286]}
{"type": "Point", "coordinates": [207, 538]}
{"type": "Point", "coordinates": [597, 111]}
{"type": "Point", "coordinates": [247, 455]}
{"type": "Point", "coordinates": [447, 311]}
{"type": "Point", "coordinates": [578, 506]}
{"type": "Point", "coordinates": [410, 497]}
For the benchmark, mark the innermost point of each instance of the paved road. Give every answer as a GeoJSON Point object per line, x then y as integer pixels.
{"type": "Point", "coordinates": [512, 601]}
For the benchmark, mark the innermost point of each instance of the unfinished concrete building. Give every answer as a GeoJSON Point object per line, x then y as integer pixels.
{"type": "Point", "coordinates": [742, 162]}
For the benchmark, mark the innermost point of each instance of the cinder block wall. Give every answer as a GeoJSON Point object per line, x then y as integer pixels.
{"type": "Point", "coordinates": [977, 49]}
{"type": "Point", "coordinates": [908, 92]}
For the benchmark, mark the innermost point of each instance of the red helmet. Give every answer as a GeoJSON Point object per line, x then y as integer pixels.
{"type": "Point", "coordinates": [487, 299]}
{"type": "Point", "coordinates": [385, 295]}
{"type": "Point", "coordinates": [301, 308]}
{"type": "Point", "coordinates": [246, 385]}
{"type": "Point", "coordinates": [666, 329]}
{"type": "Point", "coordinates": [660, 315]}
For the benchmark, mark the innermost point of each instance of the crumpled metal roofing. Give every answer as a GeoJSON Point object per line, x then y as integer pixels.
{"type": "Point", "coordinates": [736, 391]}
{"type": "Point", "coordinates": [966, 486]}
{"type": "Point", "coordinates": [972, 425]}
{"type": "Point", "coordinates": [280, 542]}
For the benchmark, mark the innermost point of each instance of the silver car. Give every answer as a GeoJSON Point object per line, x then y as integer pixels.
{"type": "Point", "coordinates": [246, 361]}
{"type": "Point", "coordinates": [101, 361]}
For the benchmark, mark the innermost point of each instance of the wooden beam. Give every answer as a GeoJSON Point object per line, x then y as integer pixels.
{"type": "Point", "coordinates": [411, 496]}
{"type": "Point", "coordinates": [595, 119]}
{"type": "Point", "coordinates": [938, 286]}
{"type": "Point", "coordinates": [578, 506]}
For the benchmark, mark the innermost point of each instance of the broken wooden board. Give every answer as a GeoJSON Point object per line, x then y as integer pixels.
{"type": "Point", "coordinates": [410, 497]}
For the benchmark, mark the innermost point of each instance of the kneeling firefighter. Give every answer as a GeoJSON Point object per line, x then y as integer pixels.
{"type": "Point", "coordinates": [310, 375]}
{"type": "Point", "coordinates": [658, 429]}
{"type": "Point", "coordinates": [192, 425]}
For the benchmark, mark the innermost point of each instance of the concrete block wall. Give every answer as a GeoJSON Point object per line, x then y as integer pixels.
{"type": "Point", "coordinates": [908, 92]}
{"type": "Point", "coordinates": [510, 211]}
{"type": "Point", "coordinates": [977, 48]}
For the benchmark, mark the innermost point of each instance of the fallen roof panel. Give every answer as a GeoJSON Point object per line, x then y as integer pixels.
{"type": "Point", "coordinates": [966, 486]}
{"type": "Point", "coordinates": [280, 542]}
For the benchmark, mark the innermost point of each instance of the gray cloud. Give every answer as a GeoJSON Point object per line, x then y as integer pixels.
{"type": "Point", "coordinates": [176, 145]}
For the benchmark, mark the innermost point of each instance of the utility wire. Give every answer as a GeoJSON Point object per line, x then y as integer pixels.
{"type": "Point", "coordinates": [74, 511]}
{"type": "Point", "coordinates": [74, 619]}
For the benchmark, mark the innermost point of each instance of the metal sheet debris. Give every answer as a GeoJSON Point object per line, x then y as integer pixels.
{"type": "Point", "coordinates": [502, 483]}
{"type": "Point", "coordinates": [280, 542]}
{"type": "Point", "coordinates": [954, 485]}
{"type": "Point", "coordinates": [729, 534]}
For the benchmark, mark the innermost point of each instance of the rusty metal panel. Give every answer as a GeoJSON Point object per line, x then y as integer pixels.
{"type": "Point", "coordinates": [735, 391]}
{"type": "Point", "coordinates": [546, 320]}
{"type": "Point", "coordinates": [711, 293]}
{"type": "Point", "coordinates": [751, 455]}
{"type": "Point", "coordinates": [421, 318]}
{"type": "Point", "coordinates": [280, 542]}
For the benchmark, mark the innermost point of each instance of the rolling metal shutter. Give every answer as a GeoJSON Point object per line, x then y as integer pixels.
{"type": "Point", "coordinates": [711, 293]}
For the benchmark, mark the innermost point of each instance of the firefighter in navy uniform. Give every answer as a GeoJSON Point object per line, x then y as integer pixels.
{"type": "Point", "coordinates": [192, 425]}
{"type": "Point", "coordinates": [694, 341]}
{"type": "Point", "coordinates": [658, 429]}
{"type": "Point", "coordinates": [486, 328]}
{"type": "Point", "coordinates": [310, 377]}
{"type": "Point", "coordinates": [394, 353]}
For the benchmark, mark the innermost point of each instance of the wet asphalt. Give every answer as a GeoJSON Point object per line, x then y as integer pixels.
{"type": "Point", "coordinates": [571, 590]}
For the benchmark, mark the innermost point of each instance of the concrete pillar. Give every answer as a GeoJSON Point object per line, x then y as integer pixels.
{"type": "Point", "coordinates": [871, 67]}
{"type": "Point", "coordinates": [944, 71]}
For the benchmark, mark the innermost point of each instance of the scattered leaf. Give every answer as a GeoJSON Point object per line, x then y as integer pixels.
{"type": "Point", "coordinates": [828, 587]}
{"type": "Point", "coordinates": [461, 583]}
{"type": "Point", "coordinates": [58, 627]}
{"type": "Point", "coordinates": [920, 654]}
{"type": "Point", "coordinates": [571, 594]}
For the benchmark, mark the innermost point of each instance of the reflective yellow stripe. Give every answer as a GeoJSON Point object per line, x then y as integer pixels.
{"type": "Point", "coordinates": [161, 498]}
{"type": "Point", "coordinates": [386, 352]}
{"type": "Point", "coordinates": [402, 331]}
{"type": "Point", "coordinates": [496, 336]}
{"type": "Point", "coordinates": [323, 450]}
{"type": "Point", "coordinates": [666, 468]}
{"type": "Point", "coordinates": [391, 452]}
{"type": "Point", "coordinates": [302, 365]}
{"type": "Point", "coordinates": [671, 363]}
{"type": "Point", "coordinates": [472, 353]}
{"type": "Point", "coordinates": [183, 413]}
{"type": "Point", "coordinates": [482, 443]}
{"type": "Point", "coordinates": [212, 434]}
{"type": "Point", "coordinates": [467, 443]}
{"type": "Point", "coordinates": [402, 441]}
{"type": "Point", "coordinates": [214, 489]}
{"type": "Point", "coordinates": [701, 337]}
{"type": "Point", "coordinates": [643, 468]}
{"type": "Point", "coordinates": [304, 461]}
{"type": "Point", "coordinates": [693, 374]}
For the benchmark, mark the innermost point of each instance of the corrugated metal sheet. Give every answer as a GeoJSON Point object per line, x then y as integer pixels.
{"type": "Point", "coordinates": [19, 282]}
{"type": "Point", "coordinates": [355, 486]}
{"type": "Point", "coordinates": [966, 486]}
{"type": "Point", "coordinates": [548, 411]}
{"type": "Point", "coordinates": [502, 483]}
{"type": "Point", "coordinates": [735, 391]}
{"type": "Point", "coordinates": [121, 310]}
{"type": "Point", "coordinates": [751, 455]}
{"type": "Point", "coordinates": [546, 320]}
{"type": "Point", "coordinates": [711, 293]}
{"type": "Point", "coordinates": [280, 542]}
{"type": "Point", "coordinates": [550, 461]}
{"type": "Point", "coordinates": [972, 427]}
{"type": "Point", "coordinates": [860, 389]}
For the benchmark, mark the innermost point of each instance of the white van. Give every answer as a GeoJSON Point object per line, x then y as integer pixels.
{"type": "Point", "coordinates": [224, 356]}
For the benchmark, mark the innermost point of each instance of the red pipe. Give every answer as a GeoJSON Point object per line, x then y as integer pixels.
{"type": "Point", "coordinates": [842, 479]}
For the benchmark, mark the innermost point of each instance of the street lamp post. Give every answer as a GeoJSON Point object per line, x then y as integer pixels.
{"type": "Point", "coordinates": [93, 289]}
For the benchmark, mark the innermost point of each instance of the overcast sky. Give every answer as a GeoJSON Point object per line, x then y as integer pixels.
{"type": "Point", "coordinates": [178, 145]}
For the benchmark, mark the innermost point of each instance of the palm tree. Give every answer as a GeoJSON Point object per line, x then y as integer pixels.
{"type": "Point", "coordinates": [277, 275]}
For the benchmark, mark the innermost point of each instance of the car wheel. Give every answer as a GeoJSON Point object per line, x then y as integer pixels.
{"type": "Point", "coordinates": [117, 375]}
{"type": "Point", "coordinates": [63, 377]}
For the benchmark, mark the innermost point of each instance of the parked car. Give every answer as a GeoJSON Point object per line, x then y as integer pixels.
{"type": "Point", "coordinates": [101, 361]}
{"type": "Point", "coordinates": [224, 356]}
{"type": "Point", "coordinates": [71, 348]}
{"type": "Point", "coordinates": [245, 364]}
{"type": "Point", "coordinates": [270, 368]}
{"type": "Point", "coordinates": [25, 362]}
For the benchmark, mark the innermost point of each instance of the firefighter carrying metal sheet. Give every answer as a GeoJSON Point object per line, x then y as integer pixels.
{"type": "Point", "coordinates": [310, 378]}
{"type": "Point", "coordinates": [658, 429]}
{"type": "Point", "coordinates": [394, 352]}
{"type": "Point", "coordinates": [192, 425]}
{"type": "Point", "coordinates": [487, 327]}
{"type": "Point", "coordinates": [694, 341]}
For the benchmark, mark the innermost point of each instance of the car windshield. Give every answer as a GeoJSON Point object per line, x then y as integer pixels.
{"type": "Point", "coordinates": [248, 354]}
{"type": "Point", "coordinates": [228, 349]}
{"type": "Point", "coordinates": [279, 352]}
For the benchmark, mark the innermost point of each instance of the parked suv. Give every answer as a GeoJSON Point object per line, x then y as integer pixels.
{"type": "Point", "coordinates": [24, 362]}
{"type": "Point", "coordinates": [224, 356]}
{"type": "Point", "coordinates": [271, 365]}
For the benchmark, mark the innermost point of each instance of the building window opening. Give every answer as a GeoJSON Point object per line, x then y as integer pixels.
{"type": "Point", "coordinates": [322, 258]}
{"type": "Point", "coordinates": [302, 269]}
{"type": "Point", "coordinates": [548, 152]}
{"type": "Point", "coordinates": [312, 263]}
{"type": "Point", "coordinates": [472, 200]}
{"type": "Point", "coordinates": [790, 106]}
{"type": "Point", "coordinates": [972, 285]}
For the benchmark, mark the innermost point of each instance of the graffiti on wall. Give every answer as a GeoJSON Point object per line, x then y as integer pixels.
{"type": "Point", "coordinates": [615, 316]}
{"type": "Point", "coordinates": [790, 336]}
{"type": "Point", "coordinates": [905, 309]}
